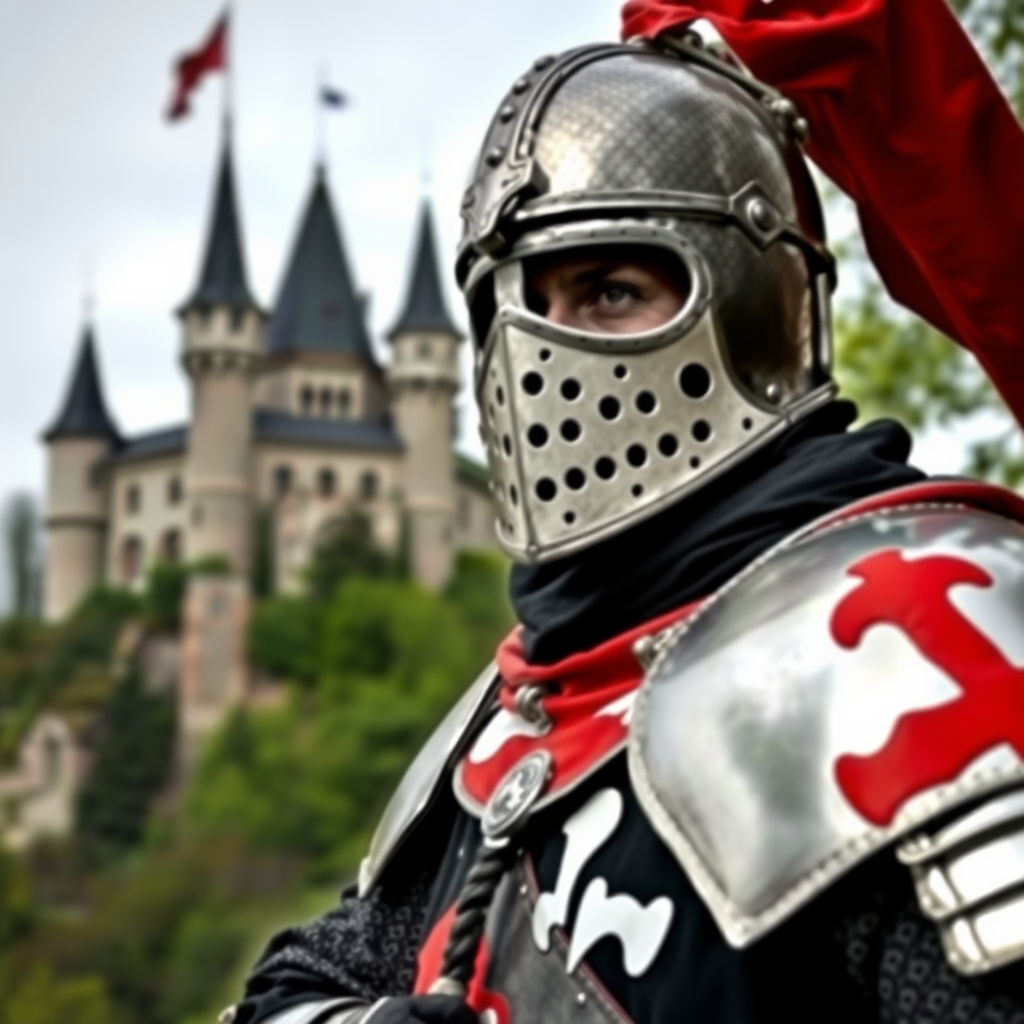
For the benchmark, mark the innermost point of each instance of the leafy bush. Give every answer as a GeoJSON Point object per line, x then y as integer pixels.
{"type": "Point", "coordinates": [166, 583]}
{"type": "Point", "coordinates": [348, 549]}
{"type": "Point", "coordinates": [283, 636]}
{"type": "Point", "coordinates": [131, 765]}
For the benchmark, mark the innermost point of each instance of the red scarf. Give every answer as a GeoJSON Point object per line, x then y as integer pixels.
{"type": "Point", "coordinates": [589, 704]}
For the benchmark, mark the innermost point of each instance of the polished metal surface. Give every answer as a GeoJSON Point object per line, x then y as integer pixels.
{"type": "Point", "coordinates": [344, 1010]}
{"type": "Point", "coordinates": [565, 474]}
{"type": "Point", "coordinates": [739, 728]}
{"type": "Point", "coordinates": [969, 877]}
{"type": "Point", "coordinates": [516, 795]}
{"type": "Point", "coordinates": [619, 144]}
{"type": "Point", "coordinates": [428, 772]}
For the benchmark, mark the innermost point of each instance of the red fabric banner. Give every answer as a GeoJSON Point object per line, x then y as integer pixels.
{"type": "Point", "coordinates": [193, 67]}
{"type": "Point", "coordinates": [906, 118]}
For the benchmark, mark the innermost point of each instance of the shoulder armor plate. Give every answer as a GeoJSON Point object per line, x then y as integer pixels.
{"type": "Point", "coordinates": [420, 785]}
{"type": "Point", "coordinates": [854, 683]}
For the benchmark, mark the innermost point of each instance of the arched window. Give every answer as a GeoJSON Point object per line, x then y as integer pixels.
{"type": "Point", "coordinates": [423, 349]}
{"type": "Point", "coordinates": [368, 485]}
{"type": "Point", "coordinates": [282, 480]}
{"type": "Point", "coordinates": [344, 403]}
{"type": "Point", "coordinates": [326, 483]}
{"type": "Point", "coordinates": [306, 398]}
{"type": "Point", "coordinates": [170, 547]}
{"type": "Point", "coordinates": [131, 560]}
{"type": "Point", "coordinates": [326, 401]}
{"type": "Point", "coordinates": [133, 498]}
{"type": "Point", "coordinates": [174, 490]}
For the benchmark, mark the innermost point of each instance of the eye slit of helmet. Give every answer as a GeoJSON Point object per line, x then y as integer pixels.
{"type": "Point", "coordinates": [607, 287]}
{"type": "Point", "coordinates": [536, 302]}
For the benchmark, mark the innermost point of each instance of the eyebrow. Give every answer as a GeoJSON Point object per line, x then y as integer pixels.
{"type": "Point", "coordinates": [597, 273]}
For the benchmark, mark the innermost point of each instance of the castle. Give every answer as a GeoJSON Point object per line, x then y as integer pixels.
{"type": "Point", "coordinates": [292, 417]}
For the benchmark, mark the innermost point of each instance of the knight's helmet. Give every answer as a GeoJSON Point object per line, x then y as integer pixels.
{"type": "Point", "coordinates": [656, 145]}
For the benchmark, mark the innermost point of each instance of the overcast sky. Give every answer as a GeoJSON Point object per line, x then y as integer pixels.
{"type": "Point", "coordinates": [91, 176]}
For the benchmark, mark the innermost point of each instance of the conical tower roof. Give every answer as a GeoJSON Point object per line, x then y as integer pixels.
{"type": "Point", "coordinates": [222, 279]}
{"type": "Point", "coordinates": [84, 413]}
{"type": "Point", "coordinates": [425, 308]}
{"type": "Point", "coordinates": [317, 308]}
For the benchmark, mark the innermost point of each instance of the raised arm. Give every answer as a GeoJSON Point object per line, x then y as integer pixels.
{"type": "Point", "coordinates": [906, 118]}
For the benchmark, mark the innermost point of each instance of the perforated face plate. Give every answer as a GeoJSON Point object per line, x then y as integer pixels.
{"type": "Point", "coordinates": [581, 443]}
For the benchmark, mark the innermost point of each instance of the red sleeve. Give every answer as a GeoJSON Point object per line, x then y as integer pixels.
{"type": "Point", "coordinates": [906, 118]}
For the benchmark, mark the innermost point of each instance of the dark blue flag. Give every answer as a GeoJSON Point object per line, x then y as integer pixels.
{"type": "Point", "coordinates": [332, 97]}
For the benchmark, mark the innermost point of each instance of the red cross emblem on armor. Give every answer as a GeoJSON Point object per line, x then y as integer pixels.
{"type": "Point", "coordinates": [933, 745]}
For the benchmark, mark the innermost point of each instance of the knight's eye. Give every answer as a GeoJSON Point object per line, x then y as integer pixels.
{"type": "Point", "coordinates": [615, 293]}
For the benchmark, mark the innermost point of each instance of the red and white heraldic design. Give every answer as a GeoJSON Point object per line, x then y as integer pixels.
{"type": "Point", "coordinates": [589, 706]}
{"type": "Point", "coordinates": [931, 746]}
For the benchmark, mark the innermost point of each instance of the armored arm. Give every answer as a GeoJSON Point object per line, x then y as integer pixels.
{"type": "Point", "coordinates": [340, 964]}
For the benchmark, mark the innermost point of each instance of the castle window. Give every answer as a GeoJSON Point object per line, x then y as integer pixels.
{"type": "Point", "coordinates": [131, 560]}
{"type": "Point", "coordinates": [368, 485]}
{"type": "Point", "coordinates": [174, 491]}
{"type": "Point", "coordinates": [170, 547]}
{"type": "Point", "coordinates": [282, 480]}
{"type": "Point", "coordinates": [133, 498]}
{"type": "Point", "coordinates": [344, 403]}
{"type": "Point", "coordinates": [326, 401]}
{"type": "Point", "coordinates": [326, 483]}
{"type": "Point", "coordinates": [306, 398]}
{"type": "Point", "coordinates": [423, 349]}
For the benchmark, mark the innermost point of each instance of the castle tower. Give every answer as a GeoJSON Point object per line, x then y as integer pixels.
{"type": "Point", "coordinates": [76, 508]}
{"type": "Point", "coordinates": [318, 334]}
{"type": "Point", "coordinates": [424, 377]}
{"type": "Point", "coordinates": [221, 351]}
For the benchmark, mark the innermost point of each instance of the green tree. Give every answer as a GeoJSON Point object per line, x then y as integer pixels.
{"type": "Point", "coordinates": [17, 907]}
{"type": "Point", "coordinates": [42, 997]}
{"type": "Point", "coordinates": [165, 591]}
{"type": "Point", "coordinates": [21, 535]}
{"type": "Point", "coordinates": [346, 549]}
{"type": "Point", "coordinates": [479, 589]}
{"type": "Point", "coordinates": [132, 763]}
{"type": "Point", "coordinates": [283, 636]}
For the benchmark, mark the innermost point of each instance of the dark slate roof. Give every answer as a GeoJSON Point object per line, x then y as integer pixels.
{"type": "Point", "coordinates": [153, 445]}
{"type": "Point", "coordinates": [222, 279]}
{"type": "Point", "coordinates": [272, 425]}
{"type": "Point", "coordinates": [425, 309]}
{"type": "Point", "coordinates": [84, 413]}
{"type": "Point", "coordinates": [317, 308]}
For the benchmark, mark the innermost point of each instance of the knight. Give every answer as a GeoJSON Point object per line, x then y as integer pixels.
{"type": "Point", "coordinates": [756, 751]}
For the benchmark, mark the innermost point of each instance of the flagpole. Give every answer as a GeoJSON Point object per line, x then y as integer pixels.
{"type": "Point", "coordinates": [229, 71]}
{"type": "Point", "coordinates": [321, 119]}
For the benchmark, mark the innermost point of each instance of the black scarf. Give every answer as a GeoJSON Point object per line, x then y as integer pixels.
{"type": "Point", "coordinates": [696, 545]}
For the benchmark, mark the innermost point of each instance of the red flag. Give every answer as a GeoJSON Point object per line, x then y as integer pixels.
{"type": "Point", "coordinates": [193, 67]}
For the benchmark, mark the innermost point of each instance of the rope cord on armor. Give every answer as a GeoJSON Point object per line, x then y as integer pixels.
{"type": "Point", "coordinates": [489, 867]}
